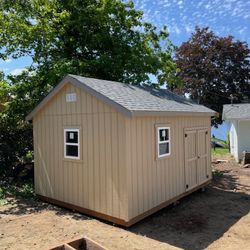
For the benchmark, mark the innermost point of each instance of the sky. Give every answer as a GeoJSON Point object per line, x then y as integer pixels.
{"type": "Point", "coordinates": [224, 17]}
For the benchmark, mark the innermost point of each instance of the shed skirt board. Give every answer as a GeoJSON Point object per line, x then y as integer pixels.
{"type": "Point", "coordinates": [196, 148]}
{"type": "Point", "coordinates": [117, 220]}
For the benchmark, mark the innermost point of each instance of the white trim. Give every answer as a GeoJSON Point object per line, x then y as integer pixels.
{"type": "Point", "coordinates": [161, 142]}
{"type": "Point", "coordinates": [72, 143]}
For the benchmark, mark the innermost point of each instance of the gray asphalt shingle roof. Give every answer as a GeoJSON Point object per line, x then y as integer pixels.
{"type": "Point", "coordinates": [129, 99]}
{"type": "Point", "coordinates": [140, 98]}
{"type": "Point", "coordinates": [236, 111]}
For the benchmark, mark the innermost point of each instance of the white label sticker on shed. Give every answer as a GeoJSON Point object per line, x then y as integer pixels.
{"type": "Point", "coordinates": [71, 97]}
{"type": "Point", "coordinates": [71, 136]}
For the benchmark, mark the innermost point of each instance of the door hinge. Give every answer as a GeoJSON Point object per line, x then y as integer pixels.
{"type": "Point", "coordinates": [187, 186]}
{"type": "Point", "coordinates": [206, 132]}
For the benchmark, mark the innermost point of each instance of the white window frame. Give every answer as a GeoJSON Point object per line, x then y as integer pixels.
{"type": "Point", "coordinates": [161, 142]}
{"type": "Point", "coordinates": [71, 143]}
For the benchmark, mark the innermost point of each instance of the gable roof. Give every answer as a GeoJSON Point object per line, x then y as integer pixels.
{"type": "Point", "coordinates": [129, 99]}
{"type": "Point", "coordinates": [236, 111]}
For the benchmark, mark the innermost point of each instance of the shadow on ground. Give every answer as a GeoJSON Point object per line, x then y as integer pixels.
{"type": "Point", "coordinates": [199, 219]}
{"type": "Point", "coordinates": [21, 207]}
{"type": "Point", "coordinates": [195, 223]}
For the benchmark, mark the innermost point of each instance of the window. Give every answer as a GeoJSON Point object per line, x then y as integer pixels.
{"type": "Point", "coordinates": [163, 144]}
{"type": "Point", "coordinates": [71, 144]}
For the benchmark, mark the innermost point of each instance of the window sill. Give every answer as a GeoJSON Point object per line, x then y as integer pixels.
{"type": "Point", "coordinates": [73, 160]}
{"type": "Point", "coordinates": [163, 157]}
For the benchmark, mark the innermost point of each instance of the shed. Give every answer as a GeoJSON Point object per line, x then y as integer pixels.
{"type": "Point", "coordinates": [238, 116]}
{"type": "Point", "coordinates": [116, 151]}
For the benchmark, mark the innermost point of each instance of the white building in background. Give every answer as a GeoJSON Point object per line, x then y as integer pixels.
{"type": "Point", "coordinates": [239, 117]}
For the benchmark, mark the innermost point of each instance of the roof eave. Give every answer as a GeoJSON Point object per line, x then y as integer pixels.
{"type": "Point", "coordinates": [44, 101]}
{"type": "Point", "coordinates": [75, 82]}
{"type": "Point", "coordinates": [172, 113]}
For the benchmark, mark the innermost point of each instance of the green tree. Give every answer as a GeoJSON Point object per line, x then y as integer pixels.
{"type": "Point", "coordinates": [15, 134]}
{"type": "Point", "coordinates": [100, 38]}
{"type": "Point", "coordinates": [5, 96]}
{"type": "Point", "coordinates": [105, 39]}
{"type": "Point", "coordinates": [212, 68]}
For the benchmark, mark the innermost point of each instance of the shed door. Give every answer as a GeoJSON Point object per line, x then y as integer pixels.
{"type": "Point", "coordinates": [202, 154]}
{"type": "Point", "coordinates": [196, 157]}
{"type": "Point", "coordinates": [191, 159]}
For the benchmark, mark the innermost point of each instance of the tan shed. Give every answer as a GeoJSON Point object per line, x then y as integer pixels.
{"type": "Point", "coordinates": [116, 151]}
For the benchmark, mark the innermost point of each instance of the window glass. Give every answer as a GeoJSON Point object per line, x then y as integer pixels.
{"type": "Point", "coordinates": [71, 143]}
{"type": "Point", "coordinates": [163, 143]}
{"type": "Point", "coordinates": [164, 148]}
{"type": "Point", "coordinates": [163, 134]}
{"type": "Point", "coordinates": [72, 136]}
{"type": "Point", "coordinates": [72, 150]}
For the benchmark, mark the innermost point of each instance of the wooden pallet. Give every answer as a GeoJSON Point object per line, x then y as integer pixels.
{"type": "Point", "coordinates": [80, 244]}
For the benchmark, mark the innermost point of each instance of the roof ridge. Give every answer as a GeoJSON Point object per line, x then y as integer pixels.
{"type": "Point", "coordinates": [130, 99]}
{"type": "Point", "coordinates": [139, 87]}
{"type": "Point", "coordinates": [98, 79]}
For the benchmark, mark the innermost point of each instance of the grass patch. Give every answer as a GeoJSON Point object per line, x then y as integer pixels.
{"type": "Point", "coordinates": [220, 151]}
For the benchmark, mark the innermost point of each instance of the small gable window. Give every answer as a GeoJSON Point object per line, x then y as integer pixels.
{"type": "Point", "coordinates": [71, 144]}
{"type": "Point", "coordinates": [71, 97]}
{"type": "Point", "coordinates": [163, 141]}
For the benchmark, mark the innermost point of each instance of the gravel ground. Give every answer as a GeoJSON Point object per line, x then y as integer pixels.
{"type": "Point", "coordinates": [218, 218]}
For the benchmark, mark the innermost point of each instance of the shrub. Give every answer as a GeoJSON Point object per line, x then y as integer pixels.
{"type": "Point", "coordinates": [15, 147]}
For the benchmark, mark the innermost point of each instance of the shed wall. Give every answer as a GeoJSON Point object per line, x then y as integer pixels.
{"type": "Point", "coordinates": [153, 181]}
{"type": "Point", "coordinates": [244, 136]}
{"type": "Point", "coordinates": [98, 180]}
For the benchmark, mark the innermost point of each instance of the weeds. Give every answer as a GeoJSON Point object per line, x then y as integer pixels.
{"type": "Point", "coordinates": [25, 191]}
{"type": "Point", "coordinates": [3, 201]}
{"type": "Point", "coordinates": [217, 173]}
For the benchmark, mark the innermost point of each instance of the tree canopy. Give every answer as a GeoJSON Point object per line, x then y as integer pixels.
{"type": "Point", "coordinates": [4, 93]}
{"type": "Point", "coordinates": [213, 68]}
{"type": "Point", "coordinates": [106, 39]}
{"type": "Point", "coordinates": [101, 38]}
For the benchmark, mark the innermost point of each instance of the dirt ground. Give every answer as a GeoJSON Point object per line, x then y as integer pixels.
{"type": "Point", "coordinates": [218, 218]}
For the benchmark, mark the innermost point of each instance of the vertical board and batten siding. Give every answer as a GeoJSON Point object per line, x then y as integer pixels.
{"type": "Point", "coordinates": [243, 137]}
{"type": "Point", "coordinates": [152, 181]}
{"type": "Point", "coordinates": [98, 180]}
